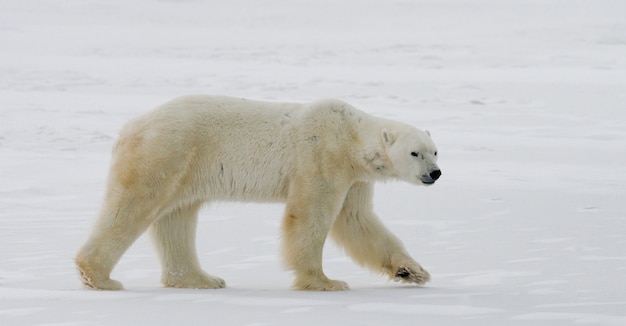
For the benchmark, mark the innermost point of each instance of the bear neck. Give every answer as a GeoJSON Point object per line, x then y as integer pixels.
{"type": "Point", "coordinates": [374, 159]}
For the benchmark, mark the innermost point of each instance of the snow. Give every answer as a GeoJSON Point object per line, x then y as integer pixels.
{"type": "Point", "coordinates": [525, 100]}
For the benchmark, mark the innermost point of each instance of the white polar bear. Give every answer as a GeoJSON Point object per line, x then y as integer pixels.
{"type": "Point", "coordinates": [320, 158]}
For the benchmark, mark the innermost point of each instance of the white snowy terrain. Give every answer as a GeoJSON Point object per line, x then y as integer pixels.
{"type": "Point", "coordinates": [526, 100]}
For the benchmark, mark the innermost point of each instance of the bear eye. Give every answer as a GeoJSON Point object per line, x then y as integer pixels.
{"type": "Point", "coordinates": [416, 154]}
{"type": "Point", "coordinates": [435, 153]}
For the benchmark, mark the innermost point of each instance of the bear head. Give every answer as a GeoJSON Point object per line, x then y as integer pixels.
{"type": "Point", "coordinates": [412, 154]}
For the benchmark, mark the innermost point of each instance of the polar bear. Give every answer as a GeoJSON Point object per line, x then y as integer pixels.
{"type": "Point", "coordinates": [321, 158]}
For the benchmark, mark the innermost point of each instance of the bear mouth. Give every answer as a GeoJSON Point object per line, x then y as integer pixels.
{"type": "Point", "coordinates": [426, 180]}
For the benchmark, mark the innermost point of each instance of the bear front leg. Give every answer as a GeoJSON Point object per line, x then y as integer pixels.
{"type": "Point", "coordinates": [359, 231]}
{"type": "Point", "coordinates": [306, 224]}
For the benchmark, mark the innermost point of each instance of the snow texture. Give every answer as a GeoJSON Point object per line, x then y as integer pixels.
{"type": "Point", "coordinates": [526, 101]}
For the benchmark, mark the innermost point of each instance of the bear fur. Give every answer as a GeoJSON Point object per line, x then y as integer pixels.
{"type": "Point", "coordinates": [321, 158]}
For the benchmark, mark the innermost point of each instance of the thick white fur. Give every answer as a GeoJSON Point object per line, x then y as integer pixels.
{"type": "Point", "coordinates": [320, 158]}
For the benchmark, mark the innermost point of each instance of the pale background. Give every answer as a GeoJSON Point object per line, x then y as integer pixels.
{"type": "Point", "coordinates": [525, 99]}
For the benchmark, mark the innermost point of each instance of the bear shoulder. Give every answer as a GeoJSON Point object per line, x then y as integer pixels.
{"type": "Point", "coordinates": [333, 112]}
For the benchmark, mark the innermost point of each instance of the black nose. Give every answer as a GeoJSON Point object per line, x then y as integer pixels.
{"type": "Point", "coordinates": [435, 174]}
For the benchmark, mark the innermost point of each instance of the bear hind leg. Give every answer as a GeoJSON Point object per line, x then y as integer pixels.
{"type": "Point", "coordinates": [174, 236]}
{"type": "Point", "coordinates": [115, 231]}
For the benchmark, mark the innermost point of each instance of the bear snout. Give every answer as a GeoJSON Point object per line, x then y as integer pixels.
{"type": "Point", "coordinates": [435, 174]}
{"type": "Point", "coordinates": [430, 178]}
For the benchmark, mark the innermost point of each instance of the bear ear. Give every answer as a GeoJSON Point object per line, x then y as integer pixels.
{"type": "Point", "coordinates": [388, 137]}
{"type": "Point", "coordinates": [427, 132]}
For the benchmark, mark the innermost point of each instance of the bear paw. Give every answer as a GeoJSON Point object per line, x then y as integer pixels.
{"type": "Point", "coordinates": [97, 281]}
{"type": "Point", "coordinates": [416, 274]}
{"type": "Point", "coordinates": [198, 280]}
{"type": "Point", "coordinates": [106, 284]}
{"type": "Point", "coordinates": [323, 284]}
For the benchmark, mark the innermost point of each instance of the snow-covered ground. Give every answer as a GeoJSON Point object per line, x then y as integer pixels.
{"type": "Point", "coordinates": [525, 99]}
